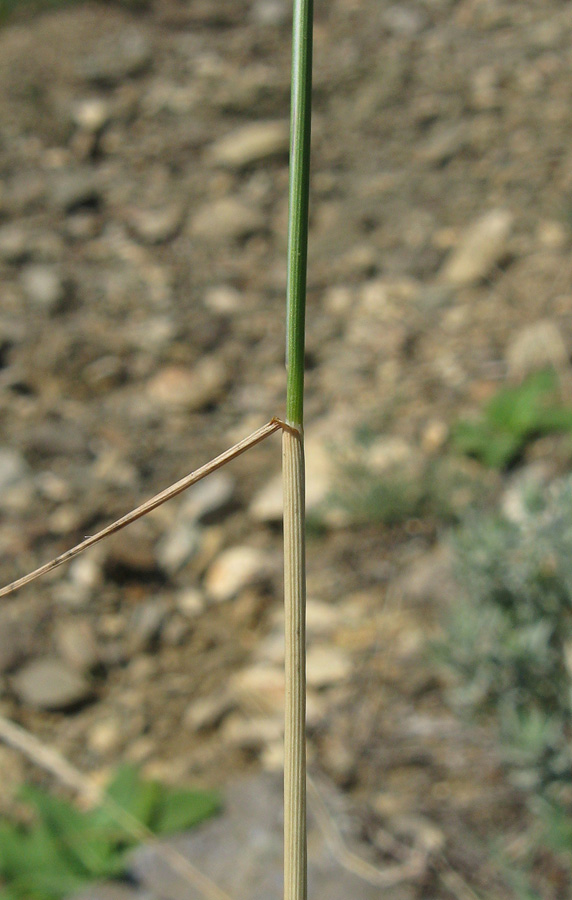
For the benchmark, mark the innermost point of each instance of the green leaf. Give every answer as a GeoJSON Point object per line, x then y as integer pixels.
{"type": "Point", "coordinates": [180, 809]}
{"type": "Point", "coordinates": [136, 796]}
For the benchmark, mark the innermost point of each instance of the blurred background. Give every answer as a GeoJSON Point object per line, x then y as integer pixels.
{"type": "Point", "coordinates": [143, 212]}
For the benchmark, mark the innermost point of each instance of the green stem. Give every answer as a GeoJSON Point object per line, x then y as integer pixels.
{"type": "Point", "coordinates": [295, 850]}
{"type": "Point", "coordinates": [300, 127]}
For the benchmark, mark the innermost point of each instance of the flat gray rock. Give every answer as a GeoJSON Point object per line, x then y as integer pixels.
{"type": "Point", "coordinates": [241, 851]}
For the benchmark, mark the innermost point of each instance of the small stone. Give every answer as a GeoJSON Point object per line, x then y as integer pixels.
{"type": "Point", "coordinates": [207, 713]}
{"type": "Point", "coordinates": [271, 13]}
{"type": "Point", "coordinates": [259, 688]}
{"type": "Point", "coordinates": [76, 644]}
{"type": "Point", "coordinates": [13, 468]}
{"type": "Point", "coordinates": [146, 623]}
{"type": "Point", "coordinates": [105, 737]}
{"type": "Point", "coordinates": [223, 299]}
{"type": "Point", "coordinates": [403, 21]}
{"type": "Point", "coordinates": [444, 144]}
{"type": "Point", "coordinates": [14, 244]}
{"type": "Point", "coordinates": [483, 246]}
{"type": "Point", "coordinates": [327, 666]}
{"type": "Point", "coordinates": [44, 287]}
{"type": "Point", "coordinates": [72, 189]}
{"type": "Point", "coordinates": [434, 436]}
{"type": "Point", "coordinates": [208, 497]}
{"type": "Point", "coordinates": [177, 547]}
{"type": "Point", "coordinates": [191, 602]}
{"type": "Point", "coordinates": [235, 569]}
{"type": "Point", "coordinates": [16, 637]}
{"type": "Point", "coordinates": [191, 389]}
{"type": "Point", "coordinates": [109, 890]}
{"type": "Point", "coordinates": [48, 683]}
{"type": "Point", "coordinates": [91, 115]}
{"type": "Point", "coordinates": [251, 733]}
{"type": "Point", "coordinates": [251, 144]}
{"type": "Point", "coordinates": [534, 347]}
{"type": "Point", "coordinates": [226, 219]}
{"type": "Point", "coordinates": [156, 226]}
{"type": "Point", "coordinates": [124, 54]}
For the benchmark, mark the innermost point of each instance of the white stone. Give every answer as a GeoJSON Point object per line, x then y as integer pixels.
{"type": "Point", "coordinates": [534, 347]}
{"type": "Point", "coordinates": [235, 569]}
{"type": "Point", "coordinates": [483, 245]}
{"type": "Point", "coordinates": [250, 144]}
{"type": "Point", "coordinates": [327, 666]}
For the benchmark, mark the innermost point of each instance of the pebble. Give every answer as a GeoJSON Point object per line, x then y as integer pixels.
{"type": "Point", "coordinates": [118, 56]}
{"type": "Point", "coordinates": [444, 144]}
{"type": "Point", "coordinates": [156, 226]}
{"type": "Point", "coordinates": [534, 347]}
{"type": "Point", "coordinates": [13, 468]}
{"type": "Point", "coordinates": [43, 287]}
{"type": "Point", "coordinates": [208, 497]}
{"type": "Point", "coordinates": [176, 387]}
{"type": "Point", "coordinates": [17, 631]}
{"type": "Point", "coordinates": [177, 547]}
{"type": "Point", "coordinates": [14, 244]}
{"type": "Point", "coordinates": [145, 624]}
{"type": "Point", "coordinates": [233, 570]}
{"type": "Point", "coordinates": [226, 219]}
{"type": "Point", "coordinates": [429, 578]}
{"type": "Point", "coordinates": [252, 732]}
{"type": "Point", "coordinates": [271, 13]}
{"type": "Point", "coordinates": [91, 114]}
{"type": "Point", "coordinates": [50, 684]}
{"type": "Point", "coordinates": [76, 644]}
{"type": "Point", "coordinates": [208, 712]}
{"type": "Point", "coordinates": [250, 144]}
{"type": "Point", "coordinates": [191, 602]}
{"type": "Point", "coordinates": [259, 688]}
{"type": "Point", "coordinates": [70, 189]}
{"type": "Point", "coordinates": [327, 666]}
{"type": "Point", "coordinates": [479, 250]}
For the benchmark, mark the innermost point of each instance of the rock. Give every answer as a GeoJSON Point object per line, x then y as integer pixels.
{"type": "Point", "coordinates": [43, 287]}
{"type": "Point", "coordinates": [76, 644]}
{"type": "Point", "coordinates": [250, 144]}
{"type": "Point", "coordinates": [191, 602]}
{"type": "Point", "coordinates": [403, 20]}
{"type": "Point", "coordinates": [13, 468]}
{"type": "Point", "coordinates": [17, 631]}
{"type": "Point", "coordinates": [48, 683]}
{"type": "Point", "coordinates": [105, 736]}
{"type": "Point", "coordinates": [208, 497]}
{"type": "Point", "coordinates": [191, 389]}
{"type": "Point", "coordinates": [251, 733]}
{"type": "Point", "coordinates": [223, 299]}
{"type": "Point", "coordinates": [481, 248]}
{"type": "Point", "coordinates": [122, 55]}
{"type": "Point", "coordinates": [327, 665]}
{"type": "Point", "coordinates": [156, 226]}
{"type": "Point", "coordinates": [177, 547]}
{"type": "Point", "coordinates": [71, 189]}
{"type": "Point", "coordinates": [534, 347]}
{"type": "Point", "coordinates": [208, 712]}
{"type": "Point", "coordinates": [91, 115]}
{"type": "Point", "coordinates": [132, 551]}
{"type": "Point", "coordinates": [444, 143]}
{"type": "Point", "coordinates": [227, 219]}
{"type": "Point", "coordinates": [110, 890]}
{"type": "Point", "coordinates": [14, 244]}
{"type": "Point", "coordinates": [242, 849]}
{"type": "Point", "coordinates": [233, 570]}
{"type": "Point", "coordinates": [259, 688]}
{"type": "Point", "coordinates": [145, 624]}
{"type": "Point", "coordinates": [271, 13]}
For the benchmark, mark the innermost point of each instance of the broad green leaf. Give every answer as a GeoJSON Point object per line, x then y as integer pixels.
{"type": "Point", "coordinates": [180, 809]}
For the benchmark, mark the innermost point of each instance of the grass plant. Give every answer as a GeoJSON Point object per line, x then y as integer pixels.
{"type": "Point", "coordinates": [295, 852]}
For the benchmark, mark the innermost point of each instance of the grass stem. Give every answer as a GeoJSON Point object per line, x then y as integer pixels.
{"type": "Point", "coordinates": [295, 843]}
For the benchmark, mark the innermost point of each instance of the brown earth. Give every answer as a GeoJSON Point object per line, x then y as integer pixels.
{"type": "Point", "coordinates": [142, 273]}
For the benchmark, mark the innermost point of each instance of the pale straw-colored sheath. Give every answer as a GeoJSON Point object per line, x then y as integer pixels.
{"type": "Point", "coordinates": [295, 862]}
